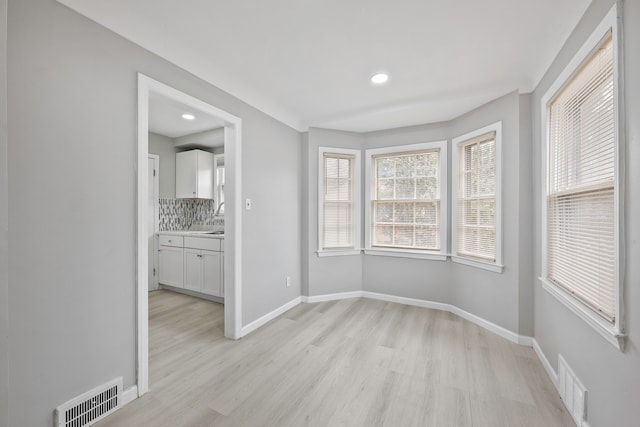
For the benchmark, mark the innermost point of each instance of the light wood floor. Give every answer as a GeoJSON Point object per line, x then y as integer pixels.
{"type": "Point", "coordinates": [355, 362]}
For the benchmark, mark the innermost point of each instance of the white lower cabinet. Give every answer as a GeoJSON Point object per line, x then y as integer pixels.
{"type": "Point", "coordinates": [193, 269]}
{"type": "Point", "coordinates": [171, 266]}
{"type": "Point", "coordinates": [197, 265]}
{"type": "Point", "coordinates": [202, 272]}
{"type": "Point", "coordinates": [212, 273]}
{"type": "Point", "coordinates": [222, 275]}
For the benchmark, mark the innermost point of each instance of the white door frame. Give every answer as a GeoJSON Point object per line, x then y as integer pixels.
{"type": "Point", "coordinates": [156, 216]}
{"type": "Point", "coordinates": [233, 218]}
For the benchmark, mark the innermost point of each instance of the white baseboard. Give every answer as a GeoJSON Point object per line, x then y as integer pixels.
{"type": "Point", "coordinates": [525, 340]}
{"type": "Point", "coordinates": [129, 395]}
{"type": "Point", "coordinates": [490, 326]}
{"type": "Point", "coordinates": [332, 297]}
{"type": "Point", "coordinates": [496, 329]}
{"type": "Point", "coordinates": [545, 363]}
{"type": "Point", "coordinates": [407, 301]}
{"type": "Point", "coordinates": [269, 316]}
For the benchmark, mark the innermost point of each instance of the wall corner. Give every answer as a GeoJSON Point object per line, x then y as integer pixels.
{"type": "Point", "coordinates": [4, 224]}
{"type": "Point", "coordinates": [304, 213]}
{"type": "Point", "coordinates": [526, 216]}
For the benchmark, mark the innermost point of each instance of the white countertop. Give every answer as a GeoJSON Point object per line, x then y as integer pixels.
{"type": "Point", "coordinates": [204, 235]}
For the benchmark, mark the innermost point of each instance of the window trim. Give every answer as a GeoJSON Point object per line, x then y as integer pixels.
{"type": "Point", "coordinates": [440, 255]}
{"type": "Point", "coordinates": [357, 202]}
{"type": "Point", "coordinates": [613, 333]}
{"type": "Point", "coordinates": [458, 141]}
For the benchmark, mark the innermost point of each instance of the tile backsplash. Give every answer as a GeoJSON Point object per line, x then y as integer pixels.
{"type": "Point", "coordinates": [180, 214]}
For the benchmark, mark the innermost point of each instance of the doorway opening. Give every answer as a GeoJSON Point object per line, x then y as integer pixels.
{"type": "Point", "coordinates": [233, 221]}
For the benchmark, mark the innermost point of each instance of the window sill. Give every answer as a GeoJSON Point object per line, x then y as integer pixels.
{"type": "Point", "coordinates": [478, 264]}
{"type": "Point", "coordinates": [338, 252]}
{"type": "Point", "coordinates": [608, 331]}
{"type": "Point", "coordinates": [406, 254]}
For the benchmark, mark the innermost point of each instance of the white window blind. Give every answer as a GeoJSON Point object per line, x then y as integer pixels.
{"type": "Point", "coordinates": [476, 210]}
{"type": "Point", "coordinates": [581, 255]}
{"type": "Point", "coordinates": [338, 201]}
{"type": "Point", "coordinates": [406, 200]}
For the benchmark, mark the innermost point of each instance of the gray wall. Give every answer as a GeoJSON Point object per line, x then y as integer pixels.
{"type": "Point", "coordinates": [271, 230]}
{"type": "Point", "coordinates": [304, 211]}
{"type": "Point", "coordinates": [163, 147]}
{"type": "Point", "coordinates": [334, 274]}
{"type": "Point", "coordinates": [504, 299]}
{"type": "Point", "coordinates": [411, 278]}
{"type": "Point", "coordinates": [612, 378]}
{"type": "Point", "coordinates": [493, 296]}
{"type": "Point", "coordinates": [73, 108]}
{"type": "Point", "coordinates": [4, 248]}
{"type": "Point", "coordinates": [525, 214]}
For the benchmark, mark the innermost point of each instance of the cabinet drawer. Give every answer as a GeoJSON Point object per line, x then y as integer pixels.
{"type": "Point", "coordinates": [202, 243]}
{"type": "Point", "coordinates": [167, 240]}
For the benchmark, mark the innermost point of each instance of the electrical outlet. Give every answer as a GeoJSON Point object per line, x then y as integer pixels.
{"type": "Point", "coordinates": [247, 204]}
{"type": "Point", "coordinates": [288, 281]}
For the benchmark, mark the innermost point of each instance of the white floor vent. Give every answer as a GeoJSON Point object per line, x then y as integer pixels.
{"type": "Point", "coordinates": [572, 392]}
{"type": "Point", "coordinates": [90, 407]}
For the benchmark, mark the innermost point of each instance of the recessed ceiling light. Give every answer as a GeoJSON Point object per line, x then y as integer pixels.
{"type": "Point", "coordinates": [379, 78]}
{"type": "Point", "coordinates": [188, 116]}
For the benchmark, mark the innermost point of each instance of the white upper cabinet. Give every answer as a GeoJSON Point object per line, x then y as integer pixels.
{"type": "Point", "coordinates": [194, 175]}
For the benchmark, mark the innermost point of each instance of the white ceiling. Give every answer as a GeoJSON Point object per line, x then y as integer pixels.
{"type": "Point", "coordinates": [307, 62]}
{"type": "Point", "coordinates": [165, 118]}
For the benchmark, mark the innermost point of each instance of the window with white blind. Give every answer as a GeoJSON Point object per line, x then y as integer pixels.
{"type": "Point", "coordinates": [406, 201]}
{"type": "Point", "coordinates": [339, 202]}
{"type": "Point", "coordinates": [581, 238]}
{"type": "Point", "coordinates": [477, 232]}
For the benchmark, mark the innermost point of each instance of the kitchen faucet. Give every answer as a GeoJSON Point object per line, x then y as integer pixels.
{"type": "Point", "coordinates": [219, 207]}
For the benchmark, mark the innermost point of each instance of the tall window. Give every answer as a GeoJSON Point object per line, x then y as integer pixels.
{"type": "Point", "coordinates": [339, 201]}
{"type": "Point", "coordinates": [407, 210]}
{"type": "Point", "coordinates": [581, 207]}
{"type": "Point", "coordinates": [580, 201]}
{"type": "Point", "coordinates": [477, 236]}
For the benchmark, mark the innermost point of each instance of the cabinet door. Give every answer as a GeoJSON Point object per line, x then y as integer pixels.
{"type": "Point", "coordinates": [171, 266]}
{"type": "Point", "coordinates": [193, 269]}
{"type": "Point", "coordinates": [212, 272]}
{"type": "Point", "coordinates": [222, 275]}
{"type": "Point", "coordinates": [187, 175]}
{"type": "Point", "coordinates": [205, 175]}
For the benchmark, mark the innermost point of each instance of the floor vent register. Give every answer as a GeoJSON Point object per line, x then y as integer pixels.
{"type": "Point", "coordinates": [572, 392]}
{"type": "Point", "coordinates": [90, 407]}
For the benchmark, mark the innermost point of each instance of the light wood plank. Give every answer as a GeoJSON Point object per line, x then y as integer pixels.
{"type": "Point", "coordinates": [355, 362]}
